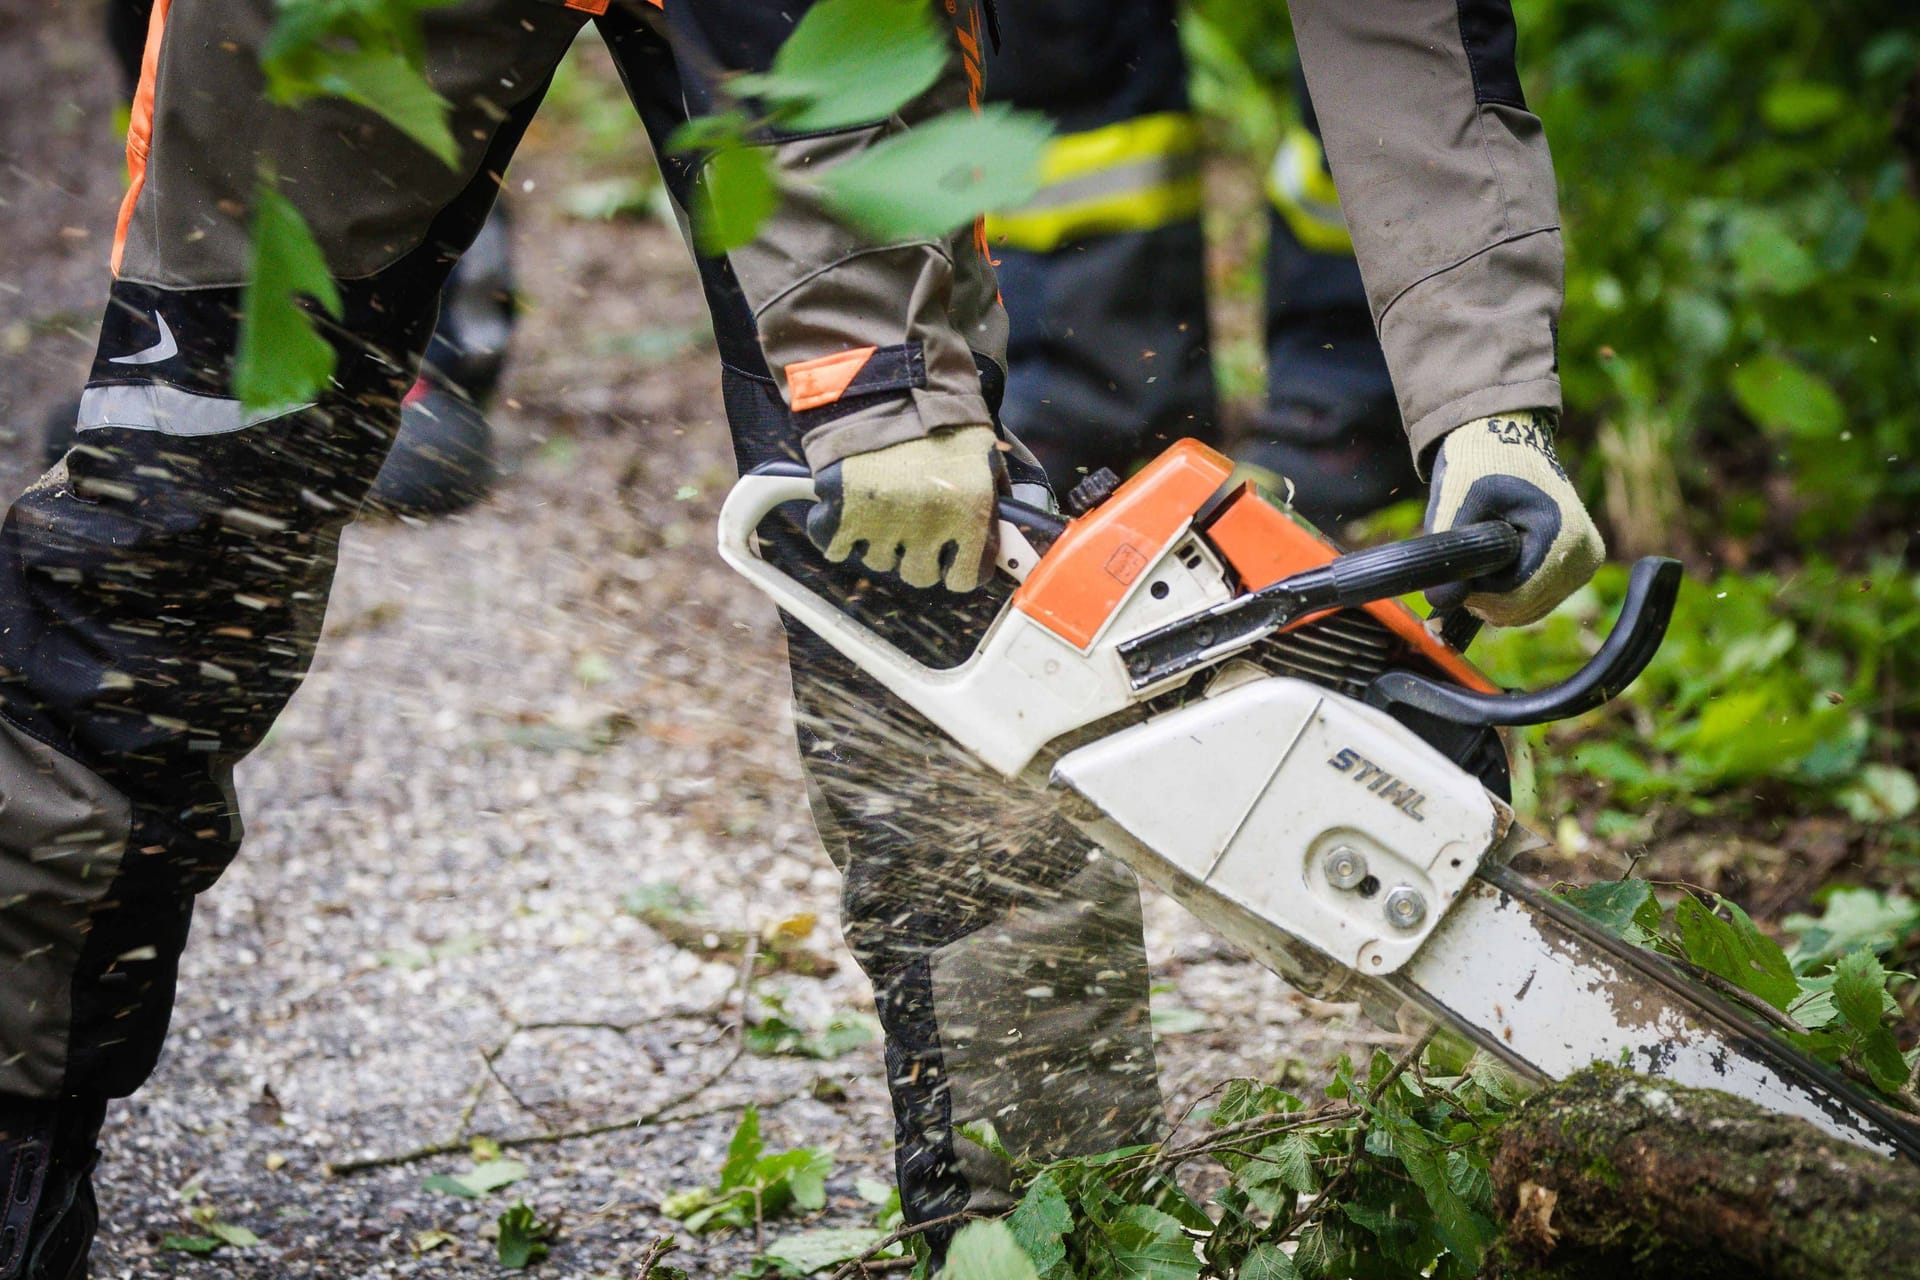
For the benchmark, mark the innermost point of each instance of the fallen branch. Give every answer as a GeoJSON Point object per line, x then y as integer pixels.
{"type": "Point", "coordinates": [866, 1261]}
{"type": "Point", "coordinates": [654, 1115]}
{"type": "Point", "coordinates": [1609, 1173]}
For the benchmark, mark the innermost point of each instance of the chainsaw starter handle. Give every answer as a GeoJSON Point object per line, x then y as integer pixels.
{"type": "Point", "coordinates": [1651, 591]}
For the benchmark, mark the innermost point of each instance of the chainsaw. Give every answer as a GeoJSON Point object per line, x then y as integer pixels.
{"type": "Point", "coordinates": [1254, 723]}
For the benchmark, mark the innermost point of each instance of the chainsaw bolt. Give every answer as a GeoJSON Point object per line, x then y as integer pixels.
{"type": "Point", "coordinates": [1345, 867]}
{"type": "Point", "coordinates": [1406, 909]}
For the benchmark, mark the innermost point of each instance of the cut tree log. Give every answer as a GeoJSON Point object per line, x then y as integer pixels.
{"type": "Point", "coordinates": [1609, 1174]}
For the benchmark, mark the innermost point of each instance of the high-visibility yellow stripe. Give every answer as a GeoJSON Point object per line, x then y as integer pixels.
{"type": "Point", "coordinates": [1046, 229]}
{"type": "Point", "coordinates": [1074, 155]}
{"type": "Point", "coordinates": [1303, 191]}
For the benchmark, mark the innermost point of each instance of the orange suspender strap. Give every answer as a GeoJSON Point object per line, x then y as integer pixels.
{"type": "Point", "coordinates": [140, 129]}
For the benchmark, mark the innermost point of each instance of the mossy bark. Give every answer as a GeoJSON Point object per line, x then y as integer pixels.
{"type": "Point", "coordinates": [1609, 1174]}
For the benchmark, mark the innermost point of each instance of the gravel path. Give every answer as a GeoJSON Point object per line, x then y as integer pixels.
{"type": "Point", "coordinates": [520, 717]}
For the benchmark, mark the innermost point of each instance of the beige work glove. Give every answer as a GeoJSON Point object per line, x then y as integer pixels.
{"type": "Point", "coordinates": [922, 507]}
{"type": "Point", "coordinates": [1504, 468]}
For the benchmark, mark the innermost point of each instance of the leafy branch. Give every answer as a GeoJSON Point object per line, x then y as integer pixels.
{"type": "Point", "coordinates": [850, 63]}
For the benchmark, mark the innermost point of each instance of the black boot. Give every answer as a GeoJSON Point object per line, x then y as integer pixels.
{"type": "Point", "coordinates": [48, 1215]}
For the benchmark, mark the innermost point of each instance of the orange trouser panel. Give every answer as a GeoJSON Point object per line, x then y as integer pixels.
{"type": "Point", "coordinates": [140, 128]}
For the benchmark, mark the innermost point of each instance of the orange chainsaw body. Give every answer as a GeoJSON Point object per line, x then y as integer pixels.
{"type": "Point", "coordinates": [1088, 571]}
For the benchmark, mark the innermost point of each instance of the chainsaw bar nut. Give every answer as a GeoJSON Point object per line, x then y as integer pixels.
{"type": "Point", "coordinates": [1406, 909]}
{"type": "Point", "coordinates": [1345, 867]}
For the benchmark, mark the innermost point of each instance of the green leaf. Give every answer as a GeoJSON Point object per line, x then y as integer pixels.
{"type": "Point", "coordinates": [659, 900]}
{"type": "Point", "coordinates": [386, 83]}
{"type": "Point", "coordinates": [1767, 259]}
{"type": "Point", "coordinates": [799, 1175]}
{"type": "Point", "coordinates": [682, 1205]}
{"type": "Point", "coordinates": [1613, 905]}
{"type": "Point", "coordinates": [734, 195]}
{"type": "Point", "coordinates": [1798, 106]}
{"type": "Point", "coordinates": [281, 364]}
{"type": "Point", "coordinates": [372, 54]}
{"type": "Point", "coordinates": [1785, 397]}
{"type": "Point", "coordinates": [523, 1237]}
{"type": "Point", "coordinates": [940, 175]}
{"type": "Point", "coordinates": [1860, 995]}
{"type": "Point", "coordinates": [1040, 1220]}
{"type": "Point", "coordinates": [775, 1036]}
{"type": "Point", "coordinates": [1463, 1231]}
{"type": "Point", "coordinates": [1880, 1053]}
{"type": "Point", "coordinates": [191, 1244]}
{"type": "Point", "coordinates": [1735, 950]}
{"type": "Point", "coordinates": [237, 1236]}
{"type": "Point", "coordinates": [1177, 1020]}
{"type": "Point", "coordinates": [1265, 1261]}
{"type": "Point", "coordinates": [1860, 989]}
{"type": "Point", "coordinates": [987, 1251]}
{"type": "Point", "coordinates": [1147, 1244]}
{"type": "Point", "coordinates": [1292, 1159]}
{"type": "Point", "coordinates": [490, 1175]}
{"type": "Point", "coordinates": [710, 133]}
{"type": "Point", "coordinates": [983, 1135]}
{"type": "Point", "coordinates": [805, 1252]}
{"type": "Point", "coordinates": [742, 1150]}
{"type": "Point", "coordinates": [851, 62]}
{"type": "Point", "coordinates": [1881, 793]}
{"type": "Point", "coordinates": [1850, 918]}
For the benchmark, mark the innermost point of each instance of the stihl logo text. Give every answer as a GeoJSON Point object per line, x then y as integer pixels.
{"type": "Point", "coordinates": [1380, 782]}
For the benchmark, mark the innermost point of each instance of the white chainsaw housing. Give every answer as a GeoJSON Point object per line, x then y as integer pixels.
{"type": "Point", "coordinates": [1024, 686]}
{"type": "Point", "coordinates": [1250, 793]}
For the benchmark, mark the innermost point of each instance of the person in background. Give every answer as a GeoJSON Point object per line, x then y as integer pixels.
{"type": "Point", "coordinates": [1104, 273]}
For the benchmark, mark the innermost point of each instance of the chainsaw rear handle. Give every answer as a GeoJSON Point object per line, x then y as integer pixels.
{"type": "Point", "coordinates": [1652, 589]}
{"type": "Point", "coordinates": [1041, 528]}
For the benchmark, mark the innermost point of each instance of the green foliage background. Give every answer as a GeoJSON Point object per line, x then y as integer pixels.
{"type": "Point", "coordinates": [1742, 229]}
{"type": "Point", "coordinates": [1741, 358]}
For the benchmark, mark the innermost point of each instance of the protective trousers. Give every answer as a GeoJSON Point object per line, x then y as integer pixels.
{"type": "Point", "coordinates": [1104, 270]}
{"type": "Point", "coordinates": [162, 588]}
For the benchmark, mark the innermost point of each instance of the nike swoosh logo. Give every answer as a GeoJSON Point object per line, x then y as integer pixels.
{"type": "Point", "coordinates": [165, 349]}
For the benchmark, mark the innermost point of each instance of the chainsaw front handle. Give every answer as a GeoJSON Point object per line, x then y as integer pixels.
{"type": "Point", "coordinates": [1652, 589]}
